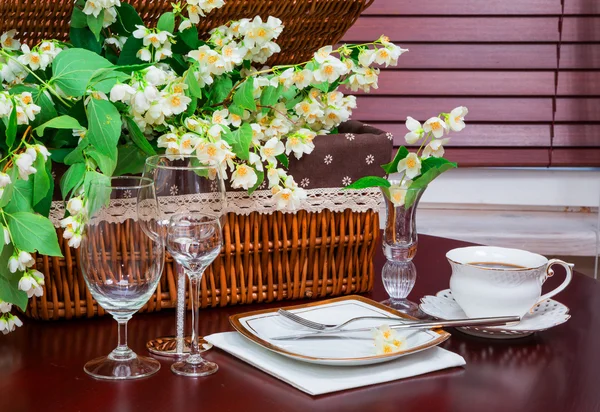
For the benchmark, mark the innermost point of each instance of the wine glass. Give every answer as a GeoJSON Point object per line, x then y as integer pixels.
{"type": "Point", "coordinates": [121, 266]}
{"type": "Point", "coordinates": [181, 185]}
{"type": "Point", "coordinates": [194, 240]}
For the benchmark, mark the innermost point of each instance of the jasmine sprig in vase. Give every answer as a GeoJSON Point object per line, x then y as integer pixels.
{"type": "Point", "coordinates": [416, 171]}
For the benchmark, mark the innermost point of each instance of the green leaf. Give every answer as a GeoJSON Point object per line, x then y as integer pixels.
{"type": "Point", "coordinates": [369, 181]}
{"type": "Point", "coordinates": [138, 137]}
{"type": "Point", "coordinates": [32, 232]}
{"type": "Point", "coordinates": [58, 155]}
{"type": "Point", "coordinates": [129, 53]}
{"type": "Point", "coordinates": [72, 179]}
{"type": "Point", "coordinates": [127, 19]}
{"type": "Point", "coordinates": [131, 160]}
{"type": "Point", "coordinates": [48, 109]}
{"type": "Point", "coordinates": [193, 85]}
{"type": "Point", "coordinates": [130, 68]}
{"type": "Point", "coordinates": [240, 141]}
{"type": "Point", "coordinates": [97, 187]}
{"type": "Point", "coordinates": [235, 109]}
{"type": "Point", "coordinates": [9, 282]}
{"type": "Point", "coordinates": [72, 69]}
{"type": "Point", "coordinates": [425, 178]}
{"type": "Point", "coordinates": [95, 24]}
{"type": "Point", "coordinates": [78, 18]}
{"type": "Point", "coordinates": [270, 95]}
{"type": "Point", "coordinates": [45, 204]}
{"type": "Point", "coordinates": [11, 127]}
{"type": "Point", "coordinates": [166, 22]}
{"type": "Point", "coordinates": [283, 159]}
{"type": "Point", "coordinates": [60, 122]}
{"type": "Point", "coordinates": [244, 96]}
{"type": "Point", "coordinates": [106, 81]}
{"type": "Point", "coordinates": [21, 199]}
{"type": "Point", "coordinates": [41, 180]}
{"type": "Point", "coordinates": [290, 104]}
{"type": "Point", "coordinates": [191, 109]}
{"type": "Point", "coordinates": [261, 178]}
{"type": "Point", "coordinates": [104, 127]}
{"type": "Point", "coordinates": [392, 167]}
{"type": "Point", "coordinates": [190, 37]}
{"type": "Point", "coordinates": [435, 162]}
{"type": "Point", "coordinates": [105, 163]}
{"type": "Point", "coordinates": [221, 88]}
{"type": "Point", "coordinates": [324, 87]}
{"type": "Point", "coordinates": [85, 39]}
{"type": "Point", "coordinates": [7, 195]}
{"type": "Point", "coordinates": [76, 156]}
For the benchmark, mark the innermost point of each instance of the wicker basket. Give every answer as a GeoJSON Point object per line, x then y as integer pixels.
{"type": "Point", "coordinates": [265, 257]}
{"type": "Point", "coordinates": [309, 24]}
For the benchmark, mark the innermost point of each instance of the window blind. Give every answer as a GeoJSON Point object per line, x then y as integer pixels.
{"type": "Point", "coordinates": [528, 70]}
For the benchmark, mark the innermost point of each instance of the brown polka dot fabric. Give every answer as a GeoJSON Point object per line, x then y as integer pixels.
{"type": "Point", "coordinates": [338, 160]}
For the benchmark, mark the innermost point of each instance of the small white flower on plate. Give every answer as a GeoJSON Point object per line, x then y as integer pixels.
{"type": "Point", "coordinates": [174, 190]}
{"type": "Point", "coordinates": [389, 136]}
{"type": "Point", "coordinates": [263, 185]}
{"type": "Point", "coordinates": [346, 181]}
{"type": "Point", "coordinates": [213, 186]}
{"type": "Point", "coordinates": [328, 159]}
{"type": "Point", "coordinates": [350, 136]}
{"type": "Point", "coordinates": [370, 159]}
{"type": "Point", "coordinates": [127, 194]}
{"type": "Point", "coordinates": [305, 182]}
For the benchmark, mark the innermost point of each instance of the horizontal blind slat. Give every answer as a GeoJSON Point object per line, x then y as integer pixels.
{"type": "Point", "coordinates": [488, 109]}
{"type": "Point", "coordinates": [456, 29]}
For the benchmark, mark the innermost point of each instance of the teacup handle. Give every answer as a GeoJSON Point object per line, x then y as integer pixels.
{"type": "Point", "coordinates": [549, 273]}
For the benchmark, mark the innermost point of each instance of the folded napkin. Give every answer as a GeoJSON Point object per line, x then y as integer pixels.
{"type": "Point", "coordinates": [319, 379]}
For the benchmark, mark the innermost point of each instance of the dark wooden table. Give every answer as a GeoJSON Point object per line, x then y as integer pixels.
{"type": "Point", "coordinates": [41, 365]}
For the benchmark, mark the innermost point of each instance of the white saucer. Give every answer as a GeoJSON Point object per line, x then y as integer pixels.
{"type": "Point", "coordinates": [543, 316]}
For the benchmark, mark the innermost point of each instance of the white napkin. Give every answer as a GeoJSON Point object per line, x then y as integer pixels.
{"type": "Point", "coordinates": [318, 379]}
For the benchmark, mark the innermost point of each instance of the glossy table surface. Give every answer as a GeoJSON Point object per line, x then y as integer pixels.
{"type": "Point", "coordinates": [41, 364]}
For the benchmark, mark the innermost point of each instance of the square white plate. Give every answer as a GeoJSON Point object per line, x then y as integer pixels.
{"type": "Point", "coordinates": [350, 349]}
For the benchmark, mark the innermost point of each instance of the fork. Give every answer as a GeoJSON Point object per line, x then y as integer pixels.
{"type": "Point", "coordinates": [329, 327]}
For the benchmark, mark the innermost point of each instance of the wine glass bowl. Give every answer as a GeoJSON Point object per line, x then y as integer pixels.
{"type": "Point", "coordinates": [121, 266]}
{"type": "Point", "coordinates": [194, 240]}
{"type": "Point", "coordinates": [181, 185]}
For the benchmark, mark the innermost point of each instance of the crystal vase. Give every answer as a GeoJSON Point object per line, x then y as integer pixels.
{"type": "Point", "coordinates": [400, 242]}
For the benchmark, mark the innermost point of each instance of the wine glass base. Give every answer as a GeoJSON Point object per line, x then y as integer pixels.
{"type": "Point", "coordinates": [109, 369]}
{"type": "Point", "coordinates": [403, 306]}
{"type": "Point", "coordinates": [167, 346]}
{"type": "Point", "coordinates": [202, 368]}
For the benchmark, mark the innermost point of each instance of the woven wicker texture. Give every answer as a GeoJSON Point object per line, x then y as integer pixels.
{"type": "Point", "coordinates": [265, 258]}
{"type": "Point", "coordinates": [309, 24]}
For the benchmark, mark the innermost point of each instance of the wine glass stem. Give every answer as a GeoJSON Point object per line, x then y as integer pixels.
{"type": "Point", "coordinates": [181, 280]}
{"type": "Point", "coordinates": [195, 280]}
{"type": "Point", "coordinates": [122, 351]}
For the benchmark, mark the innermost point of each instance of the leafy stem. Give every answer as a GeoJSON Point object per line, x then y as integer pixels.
{"type": "Point", "coordinates": [46, 85]}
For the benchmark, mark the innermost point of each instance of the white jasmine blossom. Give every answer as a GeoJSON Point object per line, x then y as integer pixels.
{"type": "Point", "coordinates": [386, 340]}
{"type": "Point", "coordinates": [24, 163]}
{"type": "Point", "coordinates": [244, 177]}
{"type": "Point", "coordinates": [436, 126]}
{"type": "Point", "coordinates": [271, 149]}
{"type": "Point", "coordinates": [456, 119]}
{"type": "Point", "coordinates": [435, 148]}
{"type": "Point", "coordinates": [416, 131]}
{"type": "Point", "coordinates": [5, 307]}
{"type": "Point", "coordinates": [8, 41]}
{"type": "Point", "coordinates": [410, 165]}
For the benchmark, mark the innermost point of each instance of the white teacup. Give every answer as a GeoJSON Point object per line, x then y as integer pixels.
{"type": "Point", "coordinates": [495, 281]}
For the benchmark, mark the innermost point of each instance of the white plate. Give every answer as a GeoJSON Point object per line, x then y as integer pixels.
{"type": "Point", "coordinates": [351, 350]}
{"type": "Point", "coordinates": [543, 316]}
